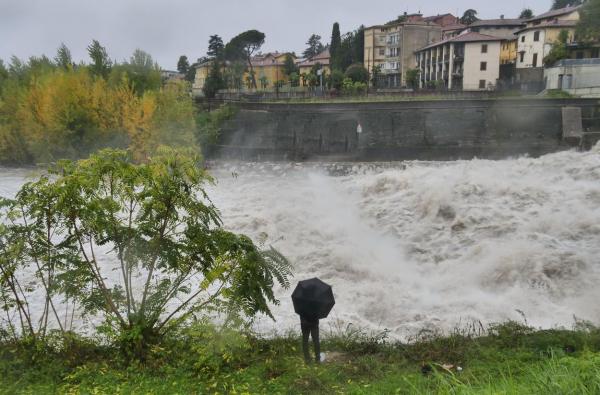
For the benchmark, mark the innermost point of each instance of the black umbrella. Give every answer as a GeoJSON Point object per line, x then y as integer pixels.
{"type": "Point", "coordinates": [313, 299]}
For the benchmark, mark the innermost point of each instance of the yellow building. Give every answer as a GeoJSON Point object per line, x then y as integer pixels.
{"type": "Point", "coordinates": [268, 69]}
{"type": "Point", "coordinates": [202, 71]}
{"type": "Point", "coordinates": [508, 52]}
{"type": "Point", "coordinates": [306, 66]}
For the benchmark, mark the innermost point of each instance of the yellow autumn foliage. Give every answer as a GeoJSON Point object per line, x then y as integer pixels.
{"type": "Point", "coordinates": [69, 114]}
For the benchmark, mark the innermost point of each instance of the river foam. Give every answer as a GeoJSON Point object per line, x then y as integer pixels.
{"type": "Point", "coordinates": [417, 245]}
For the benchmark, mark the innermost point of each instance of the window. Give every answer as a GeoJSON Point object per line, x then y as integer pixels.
{"type": "Point", "coordinates": [483, 48]}
{"type": "Point", "coordinates": [521, 57]}
{"type": "Point", "coordinates": [481, 84]}
{"type": "Point", "coordinates": [536, 36]}
{"type": "Point", "coordinates": [534, 63]}
{"type": "Point", "coordinates": [483, 66]}
{"type": "Point", "coordinates": [523, 39]}
{"type": "Point", "coordinates": [596, 53]}
{"type": "Point", "coordinates": [381, 51]}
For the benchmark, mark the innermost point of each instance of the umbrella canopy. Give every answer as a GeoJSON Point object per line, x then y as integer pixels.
{"type": "Point", "coordinates": [313, 299]}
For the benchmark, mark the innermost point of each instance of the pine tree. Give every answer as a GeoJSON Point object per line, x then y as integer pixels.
{"type": "Point", "coordinates": [183, 65]}
{"type": "Point", "coordinates": [315, 47]}
{"type": "Point", "coordinates": [215, 47]}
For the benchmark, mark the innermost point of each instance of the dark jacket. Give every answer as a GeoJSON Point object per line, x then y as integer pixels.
{"type": "Point", "coordinates": [309, 322]}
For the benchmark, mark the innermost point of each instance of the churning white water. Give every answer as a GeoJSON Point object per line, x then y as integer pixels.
{"type": "Point", "coordinates": [420, 245]}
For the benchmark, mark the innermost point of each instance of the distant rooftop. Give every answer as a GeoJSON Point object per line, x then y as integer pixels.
{"type": "Point", "coordinates": [463, 38]}
{"type": "Point", "coordinates": [322, 58]}
{"type": "Point", "coordinates": [498, 22]}
{"type": "Point", "coordinates": [554, 23]}
{"type": "Point", "coordinates": [553, 13]}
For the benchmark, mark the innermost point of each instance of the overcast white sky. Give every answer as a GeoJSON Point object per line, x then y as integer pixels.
{"type": "Point", "coordinates": [169, 28]}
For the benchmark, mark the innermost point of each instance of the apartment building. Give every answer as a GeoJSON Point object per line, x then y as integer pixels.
{"type": "Point", "coordinates": [534, 42]}
{"type": "Point", "coordinates": [469, 61]}
{"type": "Point", "coordinates": [391, 47]}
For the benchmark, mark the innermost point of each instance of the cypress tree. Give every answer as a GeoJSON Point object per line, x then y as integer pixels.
{"type": "Point", "coordinates": [335, 46]}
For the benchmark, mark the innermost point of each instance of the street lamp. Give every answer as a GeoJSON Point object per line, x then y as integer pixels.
{"type": "Point", "coordinates": [320, 74]}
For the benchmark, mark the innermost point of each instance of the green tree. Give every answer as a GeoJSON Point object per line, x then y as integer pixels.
{"type": "Point", "coordinates": [190, 76]}
{"type": "Point", "coordinates": [565, 3]}
{"type": "Point", "coordinates": [527, 13]}
{"type": "Point", "coordinates": [144, 72]}
{"type": "Point", "coordinates": [3, 74]}
{"type": "Point", "coordinates": [183, 64]}
{"type": "Point", "coordinates": [412, 78]}
{"type": "Point", "coordinates": [375, 75]}
{"type": "Point", "coordinates": [358, 45]}
{"type": "Point", "coordinates": [151, 222]}
{"type": "Point", "coordinates": [335, 47]}
{"type": "Point", "coordinates": [469, 17]}
{"type": "Point", "coordinates": [588, 28]}
{"type": "Point", "coordinates": [295, 79]}
{"type": "Point", "coordinates": [314, 48]}
{"type": "Point", "coordinates": [357, 73]}
{"type": "Point", "coordinates": [214, 80]}
{"type": "Point", "coordinates": [289, 65]}
{"type": "Point", "coordinates": [336, 79]}
{"type": "Point", "coordinates": [101, 63]}
{"type": "Point", "coordinates": [243, 46]}
{"type": "Point", "coordinates": [63, 57]}
{"type": "Point", "coordinates": [559, 49]}
{"type": "Point", "coordinates": [215, 47]}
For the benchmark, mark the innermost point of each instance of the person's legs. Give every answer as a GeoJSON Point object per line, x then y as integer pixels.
{"type": "Point", "coordinates": [305, 333]}
{"type": "Point", "coordinates": [314, 332]}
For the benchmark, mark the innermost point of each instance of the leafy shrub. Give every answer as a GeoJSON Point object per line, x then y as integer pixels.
{"type": "Point", "coordinates": [357, 73]}
{"type": "Point", "coordinates": [154, 222]}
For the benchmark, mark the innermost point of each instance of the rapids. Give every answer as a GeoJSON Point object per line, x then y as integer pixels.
{"type": "Point", "coordinates": [424, 245]}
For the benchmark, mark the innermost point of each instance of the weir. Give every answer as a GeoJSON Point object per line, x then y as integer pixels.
{"type": "Point", "coordinates": [408, 130]}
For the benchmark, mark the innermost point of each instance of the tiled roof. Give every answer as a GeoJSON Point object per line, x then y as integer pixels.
{"type": "Point", "coordinates": [463, 38]}
{"type": "Point", "coordinates": [454, 27]}
{"type": "Point", "coordinates": [434, 17]}
{"type": "Point", "coordinates": [322, 58]}
{"type": "Point", "coordinates": [498, 22]}
{"type": "Point", "coordinates": [552, 13]}
{"type": "Point", "coordinates": [555, 23]}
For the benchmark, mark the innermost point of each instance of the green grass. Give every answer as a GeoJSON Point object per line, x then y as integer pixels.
{"type": "Point", "coordinates": [508, 359]}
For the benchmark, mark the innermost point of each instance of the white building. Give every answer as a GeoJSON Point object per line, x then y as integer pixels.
{"type": "Point", "coordinates": [580, 77]}
{"type": "Point", "coordinates": [535, 40]}
{"type": "Point", "coordinates": [470, 61]}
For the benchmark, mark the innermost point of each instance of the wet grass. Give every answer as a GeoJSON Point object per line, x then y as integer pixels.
{"type": "Point", "coordinates": [506, 359]}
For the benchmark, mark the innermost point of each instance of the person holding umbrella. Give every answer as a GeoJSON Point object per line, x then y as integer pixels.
{"type": "Point", "coordinates": [313, 300]}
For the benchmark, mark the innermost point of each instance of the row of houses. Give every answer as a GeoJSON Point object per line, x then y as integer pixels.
{"type": "Point", "coordinates": [485, 55]}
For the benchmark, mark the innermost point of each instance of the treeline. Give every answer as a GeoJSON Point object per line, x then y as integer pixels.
{"type": "Point", "coordinates": [54, 108]}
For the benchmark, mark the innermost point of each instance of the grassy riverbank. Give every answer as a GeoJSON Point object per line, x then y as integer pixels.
{"type": "Point", "coordinates": [508, 359]}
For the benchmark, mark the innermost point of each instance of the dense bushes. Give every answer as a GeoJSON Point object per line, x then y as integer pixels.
{"type": "Point", "coordinates": [50, 111]}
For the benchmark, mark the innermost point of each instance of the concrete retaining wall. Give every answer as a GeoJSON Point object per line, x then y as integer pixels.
{"type": "Point", "coordinates": [440, 130]}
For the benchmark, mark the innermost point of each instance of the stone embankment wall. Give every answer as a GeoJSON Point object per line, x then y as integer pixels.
{"type": "Point", "coordinates": [427, 130]}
